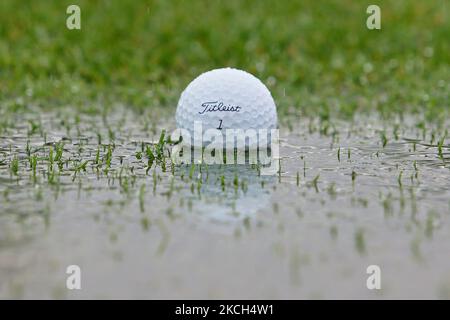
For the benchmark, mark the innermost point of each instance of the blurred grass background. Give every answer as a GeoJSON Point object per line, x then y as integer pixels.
{"type": "Point", "coordinates": [317, 57]}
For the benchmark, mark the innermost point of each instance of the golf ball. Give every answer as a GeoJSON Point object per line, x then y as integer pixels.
{"type": "Point", "coordinates": [226, 98]}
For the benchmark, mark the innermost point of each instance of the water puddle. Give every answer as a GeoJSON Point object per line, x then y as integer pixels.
{"type": "Point", "coordinates": [79, 189]}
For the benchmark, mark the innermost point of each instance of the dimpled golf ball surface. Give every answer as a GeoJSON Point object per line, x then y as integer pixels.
{"type": "Point", "coordinates": [228, 99]}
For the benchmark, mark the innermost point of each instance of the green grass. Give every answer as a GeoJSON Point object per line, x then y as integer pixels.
{"type": "Point", "coordinates": [317, 57]}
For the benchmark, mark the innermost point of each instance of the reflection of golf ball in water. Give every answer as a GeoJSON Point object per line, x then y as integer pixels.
{"type": "Point", "coordinates": [227, 195]}
{"type": "Point", "coordinates": [226, 99]}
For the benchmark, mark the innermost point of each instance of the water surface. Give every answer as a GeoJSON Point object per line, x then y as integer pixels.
{"type": "Point", "coordinates": [349, 194]}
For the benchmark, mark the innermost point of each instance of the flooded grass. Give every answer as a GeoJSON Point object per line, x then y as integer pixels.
{"type": "Point", "coordinates": [117, 205]}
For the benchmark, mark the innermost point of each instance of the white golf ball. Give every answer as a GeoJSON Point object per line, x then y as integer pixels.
{"type": "Point", "coordinates": [226, 98]}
